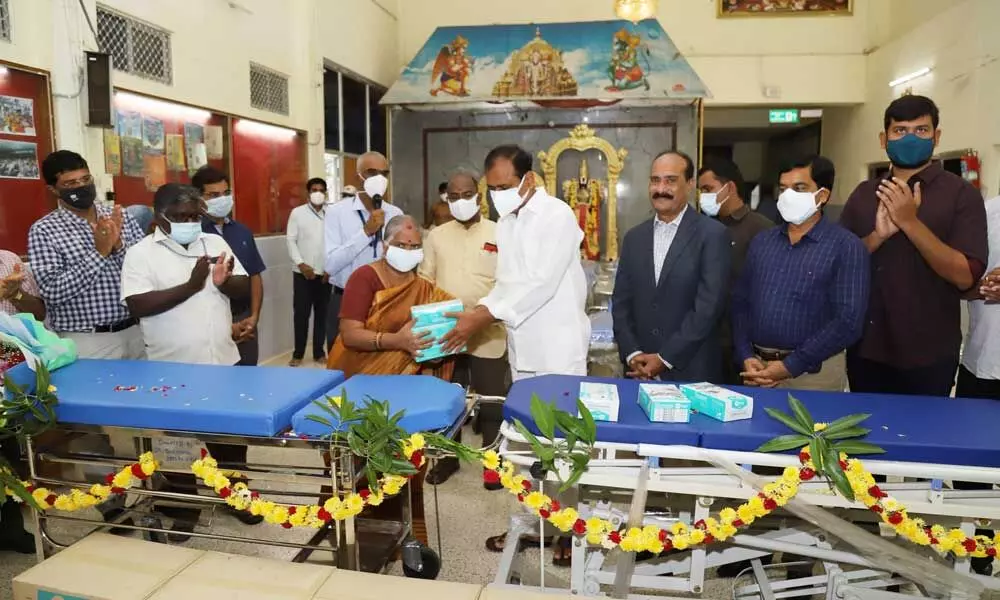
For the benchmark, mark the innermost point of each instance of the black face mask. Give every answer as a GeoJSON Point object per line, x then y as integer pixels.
{"type": "Point", "coordinates": [81, 197]}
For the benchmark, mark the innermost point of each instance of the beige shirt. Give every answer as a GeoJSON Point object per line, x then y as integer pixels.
{"type": "Point", "coordinates": [463, 262]}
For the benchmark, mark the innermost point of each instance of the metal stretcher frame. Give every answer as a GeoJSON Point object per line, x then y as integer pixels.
{"type": "Point", "coordinates": [690, 493]}
{"type": "Point", "coordinates": [343, 477]}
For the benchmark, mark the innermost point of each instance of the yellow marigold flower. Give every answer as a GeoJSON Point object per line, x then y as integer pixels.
{"type": "Point", "coordinates": [491, 460]}
{"type": "Point", "coordinates": [354, 503]}
{"type": "Point", "coordinates": [148, 468]}
{"type": "Point", "coordinates": [564, 519]}
{"type": "Point", "coordinates": [53, 389]}
{"type": "Point", "coordinates": [957, 535]}
{"type": "Point", "coordinates": [595, 527]}
{"type": "Point", "coordinates": [392, 484]}
{"type": "Point", "coordinates": [332, 505]}
{"type": "Point", "coordinates": [727, 515]}
{"type": "Point", "coordinates": [123, 479]}
{"type": "Point", "coordinates": [277, 515]}
{"type": "Point", "coordinates": [376, 499]}
{"type": "Point", "coordinates": [417, 441]}
{"type": "Point", "coordinates": [959, 550]}
{"type": "Point", "coordinates": [817, 427]}
{"type": "Point", "coordinates": [101, 491]}
{"type": "Point", "coordinates": [629, 544]}
{"type": "Point", "coordinates": [696, 536]}
{"type": "Point", "coordinates": [938, 531]}
{"type": "Point", "coordinates": [298, 519]}
{"type": "Point", "coordinates": [680, 542]}
{"type": "Point", "coordinates": [756, 506]}
{"type": "Point", "coordinates": [946, 544]}
{"type": "Point", "coordinates": [536, 500]}
{"type": "Point", "coordinates": [595, 539]}
{"type": "Point", "coordinates": [729, 531]}
{"type": "Point", "coordinates": [678, 528]}
{"type": "Point", "coordinates": [790, 474]}
{"type": "Point", "coordinates": [65, 503]}
{"type": "Point", "coordinates": [507, 468]}
{"type": "Point", "coordinates": [40, 494]}
{"type": "Point", "coordinates": [507, 481]}
{"type": "Point", "coordinates": [745, 514]}
{"type": "Point", "coordinates": [336, 400]}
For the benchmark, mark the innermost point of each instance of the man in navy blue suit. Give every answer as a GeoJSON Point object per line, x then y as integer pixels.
{"type": "Point", "coordinates": [672, 283]}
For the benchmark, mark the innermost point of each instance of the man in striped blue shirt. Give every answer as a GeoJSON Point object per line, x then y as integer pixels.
{"type": "Point", "coordinates": [801, 298]}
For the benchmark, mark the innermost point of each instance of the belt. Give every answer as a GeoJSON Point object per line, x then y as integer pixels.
{"type": "Point", "coordinates": [771, 353]}
{"type": "Point", "coordinates": [116, 327]}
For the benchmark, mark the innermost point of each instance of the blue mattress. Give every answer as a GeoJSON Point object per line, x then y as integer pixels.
{"type": "Point", "coordinates": [250, 401]}
{"type": "Point", "coordinates": [958, 431]}
{"type": "Point", "coordinates": [429, 402]}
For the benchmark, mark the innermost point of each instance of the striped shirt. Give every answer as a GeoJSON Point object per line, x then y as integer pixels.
{"type": "Point", "coordinates": [809, 298]}
{"type": "Point", "coordinates": [663, 237]}
{"type": "Point", "coordinates": [8, 262]}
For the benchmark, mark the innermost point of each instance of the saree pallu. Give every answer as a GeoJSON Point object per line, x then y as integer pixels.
{"type": "Point", "coordinates": [390, 312]}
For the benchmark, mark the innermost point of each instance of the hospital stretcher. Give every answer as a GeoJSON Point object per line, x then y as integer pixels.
{"type": "Point", "coordinates": [687, 471]}
{"type": "Point", "coordinates": [173, 405]}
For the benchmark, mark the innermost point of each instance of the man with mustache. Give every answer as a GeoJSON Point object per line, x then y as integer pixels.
{"type": "Point", "coordinates": [670, 291]}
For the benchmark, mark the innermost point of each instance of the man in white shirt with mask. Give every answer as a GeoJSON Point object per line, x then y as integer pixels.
{"type": "Point", "coordinates": [541, 290]}
{"type": "Point", "coordinates": [353, 232]}
{"type": "Point", "coordinates": [311, 289]}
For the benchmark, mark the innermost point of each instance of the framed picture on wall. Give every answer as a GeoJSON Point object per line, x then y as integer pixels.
{"type": "Point", "coordinates": [783, 8]}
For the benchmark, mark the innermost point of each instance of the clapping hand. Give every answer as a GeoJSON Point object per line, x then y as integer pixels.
{"type": "Point", "coordinates": [223, 270]}
{"type": "Point", "coordinates": [108, 232]}
{"type": "Point", "coordinates": [900, 202]}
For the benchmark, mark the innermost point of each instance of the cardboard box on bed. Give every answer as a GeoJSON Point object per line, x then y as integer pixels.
{"type": "Point", "coordinates": [218, 576]}
{"type": "Point", "coordinates": [104, 567]}
{"type": "Point", "coordinates": [352, 585]}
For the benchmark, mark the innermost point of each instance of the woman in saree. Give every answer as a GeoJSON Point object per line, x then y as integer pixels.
{"type": "Point", "coordinates": [376, 330]}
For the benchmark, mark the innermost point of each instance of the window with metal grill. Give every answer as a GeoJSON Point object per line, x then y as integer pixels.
{"type": "Point", "coordinates": [136, 47]}
{"type": "Point", "coordinates": [4, 20]}
{"type": "Point", "coordinates": [268, 89]}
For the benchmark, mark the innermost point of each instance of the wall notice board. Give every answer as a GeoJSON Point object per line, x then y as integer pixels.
{"type": "Point", "coordinates": [25, 140]}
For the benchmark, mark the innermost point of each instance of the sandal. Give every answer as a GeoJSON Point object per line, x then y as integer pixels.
{"type": "Point", "coordinates": [496, 543]}
{"type": "Point", "coordinates": [562, 552]}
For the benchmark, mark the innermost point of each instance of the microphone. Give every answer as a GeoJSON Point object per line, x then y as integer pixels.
{"type": "Point", "coordinates": [377, 201]}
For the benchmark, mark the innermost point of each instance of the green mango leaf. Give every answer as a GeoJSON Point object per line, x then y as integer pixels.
{"type": "Point", "coordinates": [816, 447]}
{"type": "Point", "coordinates": [855, 447]}
{"type": "Point", "coordinates": [844, 423]}
{"type": "Point", "coordinates": [831, 460]}
{"type": "Point", "coordinates": [542, 414]}
{"type": "Point", "coordinates": [785, 442]}
{"type": "Point", "coordinates": [589, 433]}
{"type": "Point", "coordinates": [843, 434]}
{"type": "Point", "coordinates": [788, 421]}
{"type": "Point", "coordinates": [535, 444]}
{"type": "Point", "coordinates": [801, 413]}
{"type": "Point", "coordinates": [7, 479]}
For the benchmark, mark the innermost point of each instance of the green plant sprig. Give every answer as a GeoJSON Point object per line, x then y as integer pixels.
{"type": "Point", "coordinates": [24, 414]}
{"type": "Point", "coordinates": [825, 443]}
{"type": "Point", "coordinates": [579, 435]}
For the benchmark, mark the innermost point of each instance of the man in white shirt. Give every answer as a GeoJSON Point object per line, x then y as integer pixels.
{"type": "Point", "coordinates": [178, 283]}
{"type": "Point", "coordinates": [541, 290]}
{"type": "Point", "coordinates": [353, 232]}
{"type": "Point", "coordinates": [311, 285]}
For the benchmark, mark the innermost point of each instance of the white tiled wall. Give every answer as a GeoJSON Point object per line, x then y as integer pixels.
{"type": "Point", "coordinates": [275, 329]}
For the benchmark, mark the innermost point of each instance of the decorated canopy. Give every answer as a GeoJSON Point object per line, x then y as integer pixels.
{"type": "Point", "coordinates": [600, 60]}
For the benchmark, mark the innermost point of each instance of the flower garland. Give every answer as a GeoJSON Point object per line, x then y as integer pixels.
{"type": "Point", "coordinates": [115, 484]}
{"type": "Point", "coordinates": [240, 497]}
{"type": "Point", "coordinates": [729, 521]}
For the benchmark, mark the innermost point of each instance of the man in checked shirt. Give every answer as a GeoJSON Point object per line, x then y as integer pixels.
{"type": "Point", "coordinates": [76, 253]}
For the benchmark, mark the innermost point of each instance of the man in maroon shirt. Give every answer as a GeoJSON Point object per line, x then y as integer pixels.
{"type": "Point", "coordinates": [926, 231]}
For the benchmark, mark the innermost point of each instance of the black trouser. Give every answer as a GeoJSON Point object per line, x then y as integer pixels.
{"type": "Point", "coordinates": [309, 296]}
{"type": "Point", "coordinates": [333, 316]}
{"type": "Point", "coordinates": [489, 377]}
{"type": "Point", "coordinates": [11, 519]}
{"type": "Point", "coordinates": [869, 376]}
{"type": "Point", "coordinates": [970, 386]}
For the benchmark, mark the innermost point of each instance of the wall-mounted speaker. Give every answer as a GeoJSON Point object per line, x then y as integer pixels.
{"type": "Point", "coordinates": [99, 104]}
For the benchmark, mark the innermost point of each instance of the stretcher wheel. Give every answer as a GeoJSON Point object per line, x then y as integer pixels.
{"type": "Point", "coordinates": [420, 562]}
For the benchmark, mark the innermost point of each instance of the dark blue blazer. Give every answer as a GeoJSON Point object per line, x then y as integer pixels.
{"type": "Point", "coordinates": [679, 317]}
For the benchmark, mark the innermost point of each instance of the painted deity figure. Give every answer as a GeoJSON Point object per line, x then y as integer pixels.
{"type": "Point", "coordinates": [452, 68]}
{"type": "Point", "coordinates": [624, 69]}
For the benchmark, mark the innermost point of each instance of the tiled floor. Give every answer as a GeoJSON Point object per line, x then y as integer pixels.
{"type": "Point", "coordinates": [468, 514]}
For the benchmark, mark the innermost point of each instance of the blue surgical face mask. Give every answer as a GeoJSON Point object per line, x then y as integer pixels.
{"type": "Point", "coordinates": [184, 233]}
{"type": "Point", "coordinates": [910, 151]}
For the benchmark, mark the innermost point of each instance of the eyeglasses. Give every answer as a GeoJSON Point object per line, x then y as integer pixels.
{"type": "Point", "coordinates": [922, 131]}
{"type": "Point", "coordinates": [75, 183]}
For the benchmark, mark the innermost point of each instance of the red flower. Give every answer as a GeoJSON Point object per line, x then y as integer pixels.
{"type": "Point", "coordinates": [663, 535]}
{"type": "Point", "coordinates": [254, 495]}
{"type": "Point", "coordinates": [803, 456]}
{"type": "Point", "coordinates": [29, 489]}
{"type": "Point", "coordinates": [895, 518]}
{"type": "Point", "coordinates": [991, 552]}
{"type": "Point", "coordinates": [322, 515]}
{"type": "Point", "coordinates": [770, 504]}
{"type": "Point", "coordinates": [843, 465]}
{"type": "Point", "coordinates": [292, 510]}
{"type": "Point", "coordinates": [709, 539]}
{"type": "Point", "coordinates": [544, 513]}
{"type": "Point", "coordinates": [526, 485]}
{"type": "Point", "coordinates": [490, 476]}
{"type": "Point", "coordinates": [108, 479]}
{"type": "Point", "coordinates": [876, 492]}
{"type": "Point", "coordinates": [137, 472]}
{"type": "Point", "coordinates": [667, 545]}
{"type": "Point", "coordinates": [225, 493]}
{"type": "Point", "coordinates": [805, 473]}
{"type": "Point", "coordinates": [876, 509]}
{"type": "Point", "coordinates": [204, 453]}
{"type": "Point", "coordinates": [117, 490]}
{"type": "Point", "coordinates": [614, 537]}
{"type": "Point", "coordinates": [970, 545]}
{"type": "Point", "coordinates": [738, 523]}
{"type": "Point", "coordinates": [286, 525]}
{"type": "Point", "coordinates": [365, 494]}
{"type": "Point", "coordinates": [50, 499]}
{"type": "Point", "coordinates": [580, 527]}
{"type": "Point", "coordinates": [416, 458]}
{"type": "Point", "coordinates": [934, 541]}
{"type": "Point", "coordinates": [555, 506]}
{"type": "Point", "coordinates": [700, 524]}
{"type": "Point", "coordinates": [520, 497]}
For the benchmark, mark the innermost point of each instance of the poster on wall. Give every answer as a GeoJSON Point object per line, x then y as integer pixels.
{"type": "Point", "coordinates": [131, 156]}
{"type": "Point", "coordinates": [194, 136]}
{"type": "Point", "coordinates": [213, 142]}
{"type": "Point", "coordinates": [152, 136]}
{"type": "Point", "coordinates": [129, 125]}
{"type": "Point", "coordinates": [175, 152]}
{"type": "Point", "coordinates": [155, 167]}
{"type": "Point", "coordinates": [17, 115]}
{"type": "Point", "coordinates": [18, 160]}
{"type": "Point", "coordinates": [112, 152]}
{"type": "Point", "coordinates": [753, 8]}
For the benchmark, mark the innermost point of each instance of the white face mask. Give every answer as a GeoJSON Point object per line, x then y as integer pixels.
{"type": "Point", "coordinates": [403, 260]}
{"type": "Point", "coordinates": [376, 185]}
{"type": "Point", "coordinates": [796, 207]}
{"type": "Point", "coordinates": [219, 207]}
{"type": "Point", "coordinates": [184, 233]}
{"type": "Point", "coordinates": [464, 210]}
{"type": "Point", "coordinates": [444, 197]}
{"type": "Point", "coordinates": [507, 201]}
{"type": "Point", "coordinates": [317, 198]}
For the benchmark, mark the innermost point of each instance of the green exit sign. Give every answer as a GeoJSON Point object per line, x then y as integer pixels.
{"type": "Point", "coordinates": [790, 115]}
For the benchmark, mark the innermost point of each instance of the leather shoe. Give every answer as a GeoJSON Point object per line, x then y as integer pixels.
{"type": "Point", "coordinates": [442, 471]}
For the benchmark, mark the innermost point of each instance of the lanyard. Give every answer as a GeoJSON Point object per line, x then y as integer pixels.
{"type": "Point", "coordinates": [375, 237]}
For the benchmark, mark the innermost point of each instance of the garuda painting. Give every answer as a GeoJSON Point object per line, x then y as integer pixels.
{"type": "Point", "coordinates": [451, 69]}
